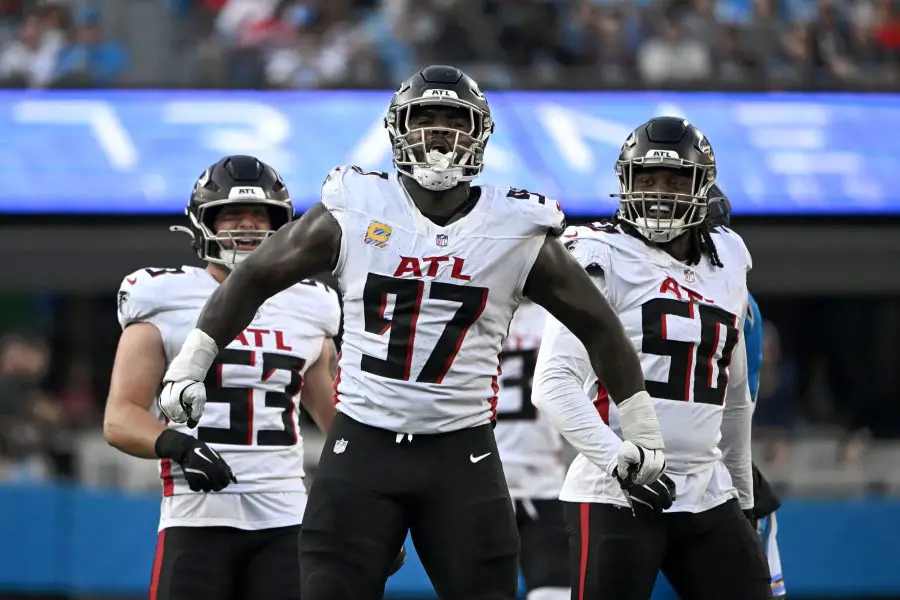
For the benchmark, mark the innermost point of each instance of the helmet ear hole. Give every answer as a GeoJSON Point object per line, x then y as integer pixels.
{"type": "Point", "coordinates": [209, 216]}
{"type": "Point", "coordinates": [278, 217]}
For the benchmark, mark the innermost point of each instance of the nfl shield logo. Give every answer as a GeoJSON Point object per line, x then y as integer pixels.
{"type": "Point", "coordinates": [340, 446]}
{"type": "Point", "coordinates": [690, 276]}
{"type": "Point", "coordinates": [442, 239]}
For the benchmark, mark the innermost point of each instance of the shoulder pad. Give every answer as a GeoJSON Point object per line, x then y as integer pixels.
{"type": "Point", "coordinates": [332, 195]}
{"type": "Point", "coordinates": [144, 294]}
{"type": "Point", "coordinates": [593, 230]}
{"type": "Point", "coordinates": [543, 211]}
{"type": "Point", "coordinates": [587, 247]}
{"type": "Point", "coordinates": [334, 187]}
{"type": "Point", "coordinates": [731, 247]}
{"type": "Point", "coordinates": [590, 234]}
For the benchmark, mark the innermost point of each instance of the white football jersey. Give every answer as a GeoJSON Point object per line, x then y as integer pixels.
{"type": "Point", "coordinates": [685, 322]}
{"type": "Point", "coordinates": [253, 395]}
{"type": "Point", "coordinates": [426, 307]}
{"type": "Point", "coordinates": [530, 447]}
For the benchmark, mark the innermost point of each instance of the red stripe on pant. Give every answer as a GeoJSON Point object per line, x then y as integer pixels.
{"type": "Point", "coordinates": [585, 522]}
{"type": "Point", "coordinates": [157, 564]}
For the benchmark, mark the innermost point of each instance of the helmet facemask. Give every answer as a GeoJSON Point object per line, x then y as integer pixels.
{"type": "Point", "coordinates": [435, 169]}
{"type": "Point", "coordinates": [223, 247]}
{"type": "Point", "coordinates": [663, 216]}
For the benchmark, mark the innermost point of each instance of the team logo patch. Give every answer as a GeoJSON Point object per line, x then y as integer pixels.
{"type": "Point", "coordinates": [442, 239]}
{"type": "Point", "coordinates": [340, 446]}
{"type": "Point", "coordinates": [378, 234]}
{"type": "Point", "coordinates": [690, 276]}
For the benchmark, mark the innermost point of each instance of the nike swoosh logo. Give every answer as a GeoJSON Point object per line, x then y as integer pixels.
{"type": "Point", "coordinates": [474, 459]}
{"type": "Point", "coordinates": [198, 472]}
{"type": "Point", "coordinates": [199, 453]}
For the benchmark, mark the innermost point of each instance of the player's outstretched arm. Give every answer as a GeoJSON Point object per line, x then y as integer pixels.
{"type": "Point", "coordinates": [297, 251]}
{"type": "Point", "coordinates": [318, 390]}
{"type": "Point", "coordinates": [558, 283]}
{"type": "Point", "coordinates": [137, 371]}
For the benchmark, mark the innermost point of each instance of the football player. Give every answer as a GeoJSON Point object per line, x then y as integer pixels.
{"type": "Point", "coordinates": [431, 268]}
{"type": "Point", "coordinates": [240, 542]}
{"type": "Point", "coordinates": [680, 290]}
{"type": "Point", "coordinates": [530, 450]}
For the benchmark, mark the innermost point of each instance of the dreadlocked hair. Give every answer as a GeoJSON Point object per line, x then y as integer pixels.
{"type": "Point", "coordinates": [701, 241]}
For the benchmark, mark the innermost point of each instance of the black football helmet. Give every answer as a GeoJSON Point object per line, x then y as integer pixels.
{"type": "Point", "coordinates": [439, 85]}
{"type": "Point", "coordinates": [234, 180]}
{"type": "Point", "coordinates": [669, 142]}
{"type": "Point", "coordinates": [719, 208]}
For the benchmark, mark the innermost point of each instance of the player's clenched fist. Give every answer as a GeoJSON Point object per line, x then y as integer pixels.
{"type": "Point", "coordinates": [641, 458]}
{"type": "Point", "coordinates": [183, 396]}
{"type": "Point", "coordinates": [183, 401]}
{"type": "Point", "coordinates": [640, 465]}
{"type": "Point", "coordinates": [204, 469]}
{"type": "Point", "coordinates": [649, 499]}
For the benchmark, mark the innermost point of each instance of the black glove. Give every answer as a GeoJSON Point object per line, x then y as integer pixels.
{"type": "Point", "coordinates": [204, 469]}
{"type": "Point", "coordinates": [398, 562]}
{"type": "Point", "coordinates": [652, 498]}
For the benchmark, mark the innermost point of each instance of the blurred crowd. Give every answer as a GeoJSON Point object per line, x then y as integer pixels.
{"type": "Point", "coordinates": [782, 44]}
{"type": "Point", "coordinates": [36, 421]}
{"type": "Point", "coordinates": [57, 44]}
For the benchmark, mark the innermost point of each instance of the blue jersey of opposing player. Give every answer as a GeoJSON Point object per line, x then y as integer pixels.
{"type": "Point", "coordinates": [753, 338]}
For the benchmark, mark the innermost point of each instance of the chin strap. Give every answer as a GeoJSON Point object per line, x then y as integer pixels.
{"type": "Point", "coordinates": [661, 236]}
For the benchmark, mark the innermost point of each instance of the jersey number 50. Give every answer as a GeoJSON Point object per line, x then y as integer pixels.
{"type": "Point", "coordinates": [707, 361]}
{"type": "Point", "coordinates": [407, 297]}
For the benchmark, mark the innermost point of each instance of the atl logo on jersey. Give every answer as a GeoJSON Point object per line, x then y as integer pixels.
{"type": "Point", "coordinates": [428, 266]}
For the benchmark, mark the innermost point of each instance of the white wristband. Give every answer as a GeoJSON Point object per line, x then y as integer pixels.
{"type": "Point", "coordinates": [195, 358]}
{"type": "Point", "coordinates": [637, 417]}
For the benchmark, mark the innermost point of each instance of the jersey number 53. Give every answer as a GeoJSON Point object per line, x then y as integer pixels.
{"type": "Point", "coordinates": [241, 400]}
